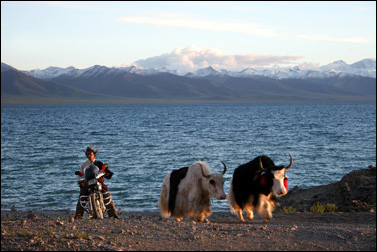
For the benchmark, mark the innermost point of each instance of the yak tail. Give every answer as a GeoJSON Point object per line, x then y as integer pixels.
{"type": "Point", "coordinates": [163, 202]}
{"type": "Point", "coordinates": [231, 200]}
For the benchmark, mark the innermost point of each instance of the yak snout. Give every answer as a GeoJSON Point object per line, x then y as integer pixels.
{"type": "Point", "coordinates": [222, 197]}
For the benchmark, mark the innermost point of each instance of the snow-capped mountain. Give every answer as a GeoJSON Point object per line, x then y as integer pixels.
{"type": "Point", "coordinates": [51, 72]}
{"type": "Point", "coordinates": [339, 65]}
{"type": "Point", "coordinates": [365, 64]}
{"type": "Point", "coordinates": [206, 72]}
{"type": "Point", "coordinates": [364, 68]}
{"type": "Point", "coordinates": [123, 84]}
{"type": "Point", "coordinates": [248, 71]}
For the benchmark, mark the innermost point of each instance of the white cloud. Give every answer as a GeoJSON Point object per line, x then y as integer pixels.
{"type": "Point", "coordinates": [185, 21]}
{"type": "Point", "coordinates": [193, 57]}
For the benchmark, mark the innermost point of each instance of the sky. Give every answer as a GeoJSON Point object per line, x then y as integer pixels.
{"type": "Point", "coordinates": [186, 35]}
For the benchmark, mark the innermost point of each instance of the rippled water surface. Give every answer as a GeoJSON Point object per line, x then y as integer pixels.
{"type": "Point", "coordinates": [42, 146]}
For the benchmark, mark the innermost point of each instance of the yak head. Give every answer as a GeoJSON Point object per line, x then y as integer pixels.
{"type": "Point", "coordinates": [277, 175]}
{"type": "Point", "coordinates": [214, 182]}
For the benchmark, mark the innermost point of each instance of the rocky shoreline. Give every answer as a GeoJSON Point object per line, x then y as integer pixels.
{"type": "Point", "coordinates": [352, 228]}
{"type": "Point", "coordinates": [146, 231]}
{"type": "Point", "coordinates": [355, 192]}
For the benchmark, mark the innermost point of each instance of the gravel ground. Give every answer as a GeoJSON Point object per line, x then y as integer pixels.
{"type": "Point", "coordinates": [145, 231]}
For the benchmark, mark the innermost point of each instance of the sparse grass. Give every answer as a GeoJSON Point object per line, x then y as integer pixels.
{"type": "Point", "coordinates": [80, 235]}
{"type": "Point", "coordinates": [331, 208]}
{"type": "Point", "coordinates": [9, 232]}
{"type": "Point", "coordinates": [320, 208]}
{"type": "Point", "coordinates": [288, 209]}
{"type": "Point", "coordinates": [317, 208]}
{"type": "Point", "coordinates": [25, 234]}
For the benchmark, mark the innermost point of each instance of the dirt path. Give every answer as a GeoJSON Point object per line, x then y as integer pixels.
{"type": "Point", "coordinates": [55, 230]}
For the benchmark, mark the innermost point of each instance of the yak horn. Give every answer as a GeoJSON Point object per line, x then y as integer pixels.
{"type": "Point", "coordinates": [224, 167]}
{"type": "Point", "coordinates": [201, 168]}
{"type": "Point", "coordinates": [260, 163]}
{"type": "Point", "coordinates": [290, 164]}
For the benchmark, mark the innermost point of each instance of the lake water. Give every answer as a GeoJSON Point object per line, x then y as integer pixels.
{"type": "Point", "coordinates": [42, 146]}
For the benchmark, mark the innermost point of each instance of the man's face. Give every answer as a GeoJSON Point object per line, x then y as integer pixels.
{"type": "Point", "coordinates": [91, 156]}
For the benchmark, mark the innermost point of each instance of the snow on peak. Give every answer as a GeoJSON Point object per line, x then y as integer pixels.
{"type": "Point", "coordinates": [339, 65]}
{"type": "Point", "coordinates": [50, 72]}
{"type": "Point", "coordinates": [249, 71]}
{"type": "Point", "coordinates": [365, 68]}
{"type": "Point", "coordinates": [365, 64]}
{"type": "Point", "coordinates": [207, 71]}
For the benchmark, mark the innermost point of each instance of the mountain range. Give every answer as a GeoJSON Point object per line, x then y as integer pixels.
{"type": "Point", "coordinates": [337, 81]}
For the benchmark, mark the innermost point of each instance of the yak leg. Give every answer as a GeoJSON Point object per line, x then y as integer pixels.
{"type": "Point", "coordinates": [249, 207]}
{"type": "Point", "coordinates": [250, 214]}
{"type": "Point", "coordinates": [267, 215]}
{"type": "Point", "coordinates": [200, 217]}
{"type": "Point", "coordinates": [239, 214]}
{"type": "Point", "coordinates": [265, 208]}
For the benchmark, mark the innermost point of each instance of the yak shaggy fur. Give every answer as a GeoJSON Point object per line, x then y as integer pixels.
{"type": "Point", "coordinates": [191, 193]}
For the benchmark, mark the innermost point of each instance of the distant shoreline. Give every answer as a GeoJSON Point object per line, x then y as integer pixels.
{"type": "Point", "coordinates": [64, 101]}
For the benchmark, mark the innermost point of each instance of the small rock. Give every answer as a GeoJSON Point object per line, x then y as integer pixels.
{"type": "Point", "coordinates": [111, 243]}
{"type": "Point", "coordinates": [99, 237]}
{"type": "Point", "coordinates": [69, 212]}
{"type": "Point", "coordinates": [32, 215]}
{"type": "Point", "coordinates": [294, 227]}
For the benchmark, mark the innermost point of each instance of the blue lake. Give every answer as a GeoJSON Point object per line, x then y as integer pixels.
{"type": "Point", "coordinates": [42, 146]}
